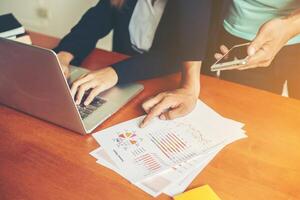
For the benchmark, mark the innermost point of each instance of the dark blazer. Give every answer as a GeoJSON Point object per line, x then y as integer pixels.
{"type": "Point", "coordinates": [181, 35]}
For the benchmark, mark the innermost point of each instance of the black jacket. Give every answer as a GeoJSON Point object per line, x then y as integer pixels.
{"type": "Point", "coordinates": [181, 36]}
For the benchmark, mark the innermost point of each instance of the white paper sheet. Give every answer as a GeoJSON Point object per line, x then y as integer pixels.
{"type": "Point", "coordinates": [173, 181]}
{"type": "Point", "coordinates": [167, 155]}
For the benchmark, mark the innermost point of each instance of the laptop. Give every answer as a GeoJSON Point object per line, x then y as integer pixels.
{"type": "Point", "coordinates": [31, 81]}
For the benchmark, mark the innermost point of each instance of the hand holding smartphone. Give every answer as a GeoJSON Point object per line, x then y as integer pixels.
{"type": "Point", "coordinates": [235, 58]}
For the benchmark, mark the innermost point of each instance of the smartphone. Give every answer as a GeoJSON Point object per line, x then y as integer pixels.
{"type": "Point", "coordinates": [235, 58]}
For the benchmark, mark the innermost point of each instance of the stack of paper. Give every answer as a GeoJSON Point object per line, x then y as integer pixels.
{"type": "Point", "coordinates": [166, 156]}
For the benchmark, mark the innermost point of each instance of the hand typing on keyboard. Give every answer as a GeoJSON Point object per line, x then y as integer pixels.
{"type": "Point", "coordinates": [96, 81]}
{"type": "Point", "coordinates": [89, 109]}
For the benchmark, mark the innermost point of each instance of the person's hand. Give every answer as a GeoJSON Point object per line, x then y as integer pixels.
{"type": "Point", "coordinates": [224, 50]}
{"type": "Point", "coordinates": [169, 105]}
{"type": "Point", "coordinates": [271, 37]}
{"type": "Point", "coordinates": [98, 81]}
{"type": "Point", "coordinates": [65, 59]}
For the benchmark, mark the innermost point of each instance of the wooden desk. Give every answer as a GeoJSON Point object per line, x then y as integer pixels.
{"type": "Point", "coordinates": [39, 160]}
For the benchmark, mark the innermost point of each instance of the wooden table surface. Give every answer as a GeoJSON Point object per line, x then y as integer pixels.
{"type": "Point", "coordinates": [40, 161]}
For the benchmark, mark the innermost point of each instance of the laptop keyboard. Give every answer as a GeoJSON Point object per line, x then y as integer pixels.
{"type": "Point", "coordinates": [85, 111]}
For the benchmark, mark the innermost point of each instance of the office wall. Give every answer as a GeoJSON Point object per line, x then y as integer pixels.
{"type": "Point", "coordinates": [52, 17]}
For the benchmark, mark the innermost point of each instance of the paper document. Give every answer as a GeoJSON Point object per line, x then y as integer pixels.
{"type": "Point", "coordinates": [166, 156]}
{"type": "Point", "coordinates": [143, 153]}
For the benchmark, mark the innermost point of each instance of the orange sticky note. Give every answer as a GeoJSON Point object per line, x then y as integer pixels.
{"type": "Point", "coordinates": [201, 193]}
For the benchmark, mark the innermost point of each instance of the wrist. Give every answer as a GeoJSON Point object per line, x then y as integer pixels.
{"type": "Point", "coordinates": [292, 24]}
{"type": "Point", "coordinates": [65, 58]}
{"type": "Point", "coordinates": [190, 80]}
{"type": "Point", "coordinates": [114, 74]}
{"type": "Point", "coordinates": [192, 89]}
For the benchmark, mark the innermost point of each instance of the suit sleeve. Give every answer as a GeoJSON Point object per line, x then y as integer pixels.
{"type": "Point", "coordinates": [96, 23]}
{"type": "Point", "coordinates": [181, 36]}
{"type": "Point", "coordinates": [145, 66]}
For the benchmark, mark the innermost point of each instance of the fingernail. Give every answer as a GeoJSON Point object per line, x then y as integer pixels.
{"type": "Point", "coordinates": [251, 51]}
{"type": "Point", "coordinates": [162, 117]}
{"type": "Point", "coordinates": [142, 125]}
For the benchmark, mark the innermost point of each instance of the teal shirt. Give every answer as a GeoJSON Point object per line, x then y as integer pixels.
{"type": "Point", "coordinates": [245, 17]}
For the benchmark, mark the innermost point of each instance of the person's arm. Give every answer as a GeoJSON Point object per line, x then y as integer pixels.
{"type": "Point", "coordinates": [294, 19]}
{"type": "Point", "coordinates": [271, 37]}
{"type": "Point", "coordinates": [193, 28]}
{"type": "Point", "coordinates": [177, 103]}
{"type": "Point", "coordinates": [140, 67]}
{"type": "Point", "coordinates": [166, 55]}
{"type": "Point", "coordinates": [96, 23]}
{"type": "Point", "coordinates": [158, 61]}
{"type": "Point", "coordinates": [148, 65]}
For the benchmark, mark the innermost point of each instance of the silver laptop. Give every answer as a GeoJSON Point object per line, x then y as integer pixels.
{"type": "Point", "coordinates": [31, 81]}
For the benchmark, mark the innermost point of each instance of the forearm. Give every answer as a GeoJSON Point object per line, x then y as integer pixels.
{"type": "Point", "coordinates": [293, 23]}
{"type": "Point", "coordinates": [191, 76]}
{"type": "Point", "coordinates": [93, 25]}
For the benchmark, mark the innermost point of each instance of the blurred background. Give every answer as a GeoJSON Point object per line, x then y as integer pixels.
{"type": "Point", "coordinates": [51, 17]}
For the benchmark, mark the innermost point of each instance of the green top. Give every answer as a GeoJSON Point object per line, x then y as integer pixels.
{"type": "Point", "coordinates": [246, 16]}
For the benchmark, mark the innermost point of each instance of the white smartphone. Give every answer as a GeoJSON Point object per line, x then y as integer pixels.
{"type": "Point", "coordinates": [235, 58]}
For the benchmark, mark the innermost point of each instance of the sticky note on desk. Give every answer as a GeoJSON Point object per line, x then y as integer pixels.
{"type": "Point", "coordinates": [201, 193]}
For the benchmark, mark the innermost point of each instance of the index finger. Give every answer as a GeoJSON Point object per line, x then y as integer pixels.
{"type": "Point", "coordinates": [154, 112]}
{"type": "Point", "coordinates": [83, 79]}
{"type": "Point", "coordinates": [150, 103]}
{"type": "Point", "coordinates": [96, 91]}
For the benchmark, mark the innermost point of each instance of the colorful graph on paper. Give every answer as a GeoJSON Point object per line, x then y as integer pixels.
{"type": "Point", "coordinates": [176, 142]}
{"type": "Point", "coordinates": [172, 146]}
{"type": "Point", "coordinates": [149, 162]}
{"type": "Point", "coordinates": [127, 140]}
{"type": "Point", "coordinates": [179, 142]}
{"type": "Point", "coordinates": [146, 152]}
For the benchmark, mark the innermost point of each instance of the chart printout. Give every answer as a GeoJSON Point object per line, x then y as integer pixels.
{"type": "Point", "coordinates": [142, 153]}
